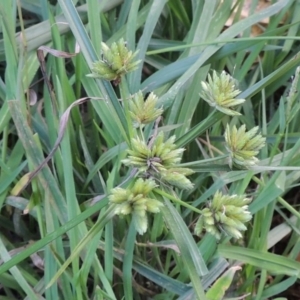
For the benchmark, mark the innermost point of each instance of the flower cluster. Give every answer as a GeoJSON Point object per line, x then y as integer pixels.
{"type": "Point", "coordinates": [243, 146]}
{"type": "Point", "coordinates": [225, 214]}
{"type": "Point", "coordinates": [135, 200]}
{"type": "Point", "coordinates": [116, 61]}
{"type": "Point", "coordinates": [220, 92]}
{"type": "Point", "coordinates": [143, 112]}
{"type": "Point", "coordinates": [229, 213]}
{"type": "Point", "coordinates": [159, 161]}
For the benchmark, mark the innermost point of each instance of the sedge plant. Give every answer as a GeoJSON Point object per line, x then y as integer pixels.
{"type": "Point", "coordinates": [157, 159]}
{"type": "Point", "coordinates": [164, 178]}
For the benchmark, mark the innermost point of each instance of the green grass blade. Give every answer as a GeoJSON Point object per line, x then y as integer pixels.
{"type": "Point", "coordinates": [189, 251]}
{"type": "Point", "coordinates": [127, 263]}
{"type": "Point", "coordinates": [18, 275]}
{"type": "Point", "coordinates": [275, 264]}
{"type": "Point", "coordinates": [154, 13]}
{"type": "Point", "coordinates": [52, 236]}
{"type": "Point", "coordinates": [231, 32]}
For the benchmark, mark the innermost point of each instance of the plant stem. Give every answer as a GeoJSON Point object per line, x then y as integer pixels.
{"type": "Point", "coordinates": [125, 98]}
{"type": "Point", "coordinates": [280, 200]}
{"type": "Point", "coordinates": [199, 129]}
{"type": "Point", "coordinates": [204, 161]}
{"type": "Point", "coordinates": [176, 200]}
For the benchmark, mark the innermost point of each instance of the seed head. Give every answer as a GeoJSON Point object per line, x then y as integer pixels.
{"type": "Point", "coordinates": [225, 214]}
{"type": "Point", "coordinates": [160, 161]}
{"type": "Point", "coordinates": [136, 201]}
{"type": "Point", "coordinates": [243, 146]}
{"type": "Point", "coordinates": [116, 61]}
{"type": "Point", "coordinates": [144, 112]}
{"type": "Point", "coordinates": [220, 92]}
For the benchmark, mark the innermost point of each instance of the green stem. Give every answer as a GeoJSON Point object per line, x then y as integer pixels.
{"type": "Point", "coordinates": [125, 98]}
{"type": "Point", "coordinates": [141, 133]}
{"type": "Point", "coordinates": [176, 200]}
{"type": "Point", "coordinates": [288, 207]}
{"type": "Point", "coordinates": [280, 200]}
{"type": "Point", "coordinates": [203, 162]}
{"type": "Point", "coordinates": [199, 129]}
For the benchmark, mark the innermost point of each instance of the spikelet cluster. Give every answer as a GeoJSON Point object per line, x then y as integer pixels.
{"type": "Point", "coordinates": [143, 112]}
{"type": "Point", "coordinates": [136, 201]}
{"type": "Point", "coordinates": [220, 92]}
{"type": "Point", "coordinates": [116, 61]}
{"type": "Point", "coordinates": [225, 214]}
{"type": "Point", "coordinates": [159, 161]}
{"type": "Point", "coordinates": [243, 146]}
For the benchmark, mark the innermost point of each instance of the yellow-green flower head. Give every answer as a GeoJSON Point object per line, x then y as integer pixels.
{"type": "Point", "coordinates": [225, 214]}
{"type": "Point", "coordinates": [136, 201]}
{"type": "Point", "coordinates": [143, 112]}
{"type": "Point", "coordinates": [159, 160]}
{"type": "Point", "coordinates": [156, 158]}
{"type": "Point", "coordinates": [243, 146]}
{"type": "Point", "coordinates": [177, 177]}
{"type": "Point", "coordinates": [116, 61]}
{"type": "Point", "coordinates": [220, 92]}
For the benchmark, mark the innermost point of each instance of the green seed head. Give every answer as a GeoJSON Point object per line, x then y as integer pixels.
{"type": "Point", "coordinates": [220, 92]}
{"type": "Point", "coordinates": [177, 178]}
{"type": "Point", "coordinates": [143, 112]}
{"type": "Point", "coordinates": [136, 200]}
{"type": "Point", "coordinates": [159, 161]}
{"type": "Point", "coordinates": [116, 61]}
{"type": "Point", "coordinates": [225, 214]}
{"type": "Point", "coordinates": [243, 146]}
